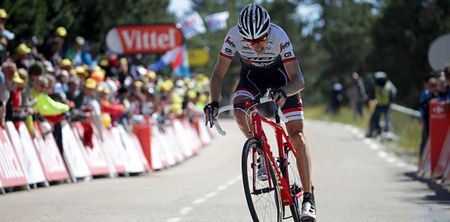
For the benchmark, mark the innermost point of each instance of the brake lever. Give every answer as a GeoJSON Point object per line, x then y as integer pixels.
{"type": "Point", "coordinates": [210, 117]}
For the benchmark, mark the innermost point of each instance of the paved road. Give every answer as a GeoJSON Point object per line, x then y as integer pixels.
{"type": "Point", "coordinates": [356, 180]}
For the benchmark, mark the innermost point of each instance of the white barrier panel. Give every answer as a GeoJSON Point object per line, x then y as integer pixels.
{"type": "Point", "coordinates": [76, 163]}
{"type": "Point", "coordinates": [205, 136]}
{"type": "Point", "coordinates": [95, 158]}
{"type": "Point", "coordinates": [174, 144]}
{"type": "Point", "coordinates": [134, 163]}
{"type": "Point", "coordinates": [425, 162]}
{"type": "Point", "coordinates": [51, 160]}
{"type": "Point", "coordinates": [159, 159]}
{"type": "Point", "coordinates": [165, 148]}
{"type": "Point", "coordinates": [155, 155]}
{"type": "Point", "coordinates": [27, 156]}
{"type": "Point", "coordinates": [192, 135]}
{"type": "Point", "coordinates": [446, 175]}
{"type": "Point", "coordinates": [444, 158]}
{"type": "Point", "coordinates": [139, 150]}
{"type": "Point", "coordinates": [11, 171]}
{"type": "Point", "coordinates": [182, 137]}
{"type": "Point", "coordinates": [114, 150]}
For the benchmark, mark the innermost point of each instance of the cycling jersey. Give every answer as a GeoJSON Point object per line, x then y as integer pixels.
{"type": "Point", "coordinates": [278, 46]}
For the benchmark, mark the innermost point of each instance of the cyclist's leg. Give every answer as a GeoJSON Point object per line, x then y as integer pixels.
{"type": "Point", "coordinates": [246, 89]}
{"type": "Point", "coordinates": [239, 115]}
{"type": "Point", "coordinates": [293, 111]}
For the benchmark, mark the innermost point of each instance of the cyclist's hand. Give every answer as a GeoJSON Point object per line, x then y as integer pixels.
{"type": "Point", "coordinates": [211, 111]}
{"type": "Point", "coordinates": [279, 96]}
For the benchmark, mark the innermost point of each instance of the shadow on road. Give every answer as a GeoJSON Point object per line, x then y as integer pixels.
{"type": "Point", "coordinates": [441, 195]}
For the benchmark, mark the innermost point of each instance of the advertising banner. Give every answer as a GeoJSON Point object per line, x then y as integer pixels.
{"type": "Point", "coordinates": [94, 156]}
{"type": "Point", "coordinates": [143, 39]}
{"type": "Point", "coordinates": [11, 171]}
{"type": "Point", "coordinates": [444, 157]}
{"type": "Point", "coordinates": [115, 150]}
{"type": "Point", "coordinates": [51, 160]}
{"type": "Point", "coordinates": [27, 155]}
{"type": "Point", "coordinates": [439, 125]}
{"type": "Point", "coordinates": [76, 163]}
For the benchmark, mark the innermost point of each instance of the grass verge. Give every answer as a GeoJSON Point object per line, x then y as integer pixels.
{"type": "Point", "coordinates": [406, 128]}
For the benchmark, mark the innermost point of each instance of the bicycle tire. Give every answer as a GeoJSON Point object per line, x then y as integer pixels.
{"type": "Point", "coordinates": [264, 202]}
{"type": "Point", "coordinates": [294, 184]}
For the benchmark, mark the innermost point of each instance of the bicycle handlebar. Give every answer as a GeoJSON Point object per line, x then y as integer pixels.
{"type": "Point", "coordinates": [259, 101]}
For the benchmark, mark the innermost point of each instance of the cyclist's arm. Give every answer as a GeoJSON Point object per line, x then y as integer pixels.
{"type": "Point", "coordinates": [296, 82]}
{"type": "Point", "coordinates": [219, 71]}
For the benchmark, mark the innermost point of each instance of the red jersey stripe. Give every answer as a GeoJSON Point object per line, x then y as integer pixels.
{"type": "Point", "coordinates": [225, 55]}
{"type": "Point", "coordinates": [289, 60]}
{"type": "Point", "coordinates": [298, 109]}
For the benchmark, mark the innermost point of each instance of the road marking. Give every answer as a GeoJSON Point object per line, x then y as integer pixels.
{"type": "Point", "coordinates": [391, 159]}
{"type": "Point", "coordinates": [186, 210]}
{"type": "Point", "coordinates": [374, 146]}
{"type": "Point", "coordinates": [199, 201]}
{"type": "Point", "coordinates": [382, 154]}
{"type": "Point", "coordinates": [209, 195]}
{"type": "Point", "coordinates": [223, 187]}
{"type": "Point", "coordinates": [231, 182]}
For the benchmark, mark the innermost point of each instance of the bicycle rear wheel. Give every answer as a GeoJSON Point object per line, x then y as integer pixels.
{"type": "Point", "coordinates": [263, 196]}
{"type": "Point", "coordinates": [294, 184]}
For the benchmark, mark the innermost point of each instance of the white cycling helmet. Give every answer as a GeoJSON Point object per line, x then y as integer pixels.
{"type": "Point", "coordinates": [254, 22]}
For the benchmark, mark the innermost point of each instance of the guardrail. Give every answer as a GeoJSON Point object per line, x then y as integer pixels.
{"type": "Point", "coordinates": [406, 110]}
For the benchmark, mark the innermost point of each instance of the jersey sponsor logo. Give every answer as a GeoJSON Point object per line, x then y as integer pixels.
{"type": "Point", "coordinates": [229, 42]}
{"type": "Point", "coordinates": [288, 54]}
{"type": "Point", "coordinates": [227, 50]}
{"type": "Point", "coordinates": [246, 48]}
{"type": "Point", "coordinates": [284, 45]}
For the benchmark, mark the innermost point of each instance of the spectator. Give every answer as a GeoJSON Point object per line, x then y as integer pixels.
{"type": "Point", "coordinates": [53, 49]}
{"type": "Point", "coordinates": [92, 106]}
{"type": "Point", "coordinates": [447, 78]}
{"type": "Point", "coordinates": [78, 54]}
{"type": "Point", "coordinates": [23, 59]}
{"type": "Point", "coordinates": [334, 103]}
{"type": "Point", "coordinates": [429, 93]}
{"type": "Point", "coordinates": [7, 76]}
{"type": "Point", "coordinates": [5, 35]}
{"type": "Point", "coordinates": [385, 93]}
{"type": "Point", "coordinates": [442, 87]}
{"type": "Point", "coordinates": [45, 105]}
{"type": "Point", "coordinates": [60, 88]}
{"type": "Point", "coordinates": [356, 94]}
{"type": "Point", "coordinates": [14, 109]}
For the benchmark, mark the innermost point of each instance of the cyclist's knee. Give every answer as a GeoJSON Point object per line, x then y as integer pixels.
{"type": "Point", "coordinates": [239, 115]}
{"type": "Point", "coordinates": [297, 137]}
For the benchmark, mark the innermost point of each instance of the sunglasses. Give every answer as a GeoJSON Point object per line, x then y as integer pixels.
{"type": "Point", "coordinates": [256, 41]}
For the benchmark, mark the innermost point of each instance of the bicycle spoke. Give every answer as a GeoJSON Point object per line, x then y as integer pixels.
{"type": "Point", "coordinates": [262, 193]}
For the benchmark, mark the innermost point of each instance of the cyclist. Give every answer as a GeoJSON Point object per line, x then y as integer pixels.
{"type": "Point", "coordinates": [268, 61]}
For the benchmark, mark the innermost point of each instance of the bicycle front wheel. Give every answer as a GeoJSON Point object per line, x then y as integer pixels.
{"type": "Point", "coordinates": [262, 194]}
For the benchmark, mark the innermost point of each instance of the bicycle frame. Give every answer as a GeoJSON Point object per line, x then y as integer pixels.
{"type": "Point", "coordinates": [258, 133]}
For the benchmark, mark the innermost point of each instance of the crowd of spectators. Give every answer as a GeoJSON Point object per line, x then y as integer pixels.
{"type": "Point", "coordinates": [50, 83]}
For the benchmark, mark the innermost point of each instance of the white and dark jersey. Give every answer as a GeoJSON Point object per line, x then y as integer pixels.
{"type": "Point", "coordinates": [278, 46]}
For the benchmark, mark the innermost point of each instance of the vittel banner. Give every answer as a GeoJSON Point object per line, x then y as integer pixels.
{"type": "Point", "coordinates": [143, 39]}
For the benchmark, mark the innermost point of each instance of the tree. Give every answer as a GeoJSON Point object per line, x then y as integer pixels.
{"type": "Point", "coordinates": [402, 37]}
